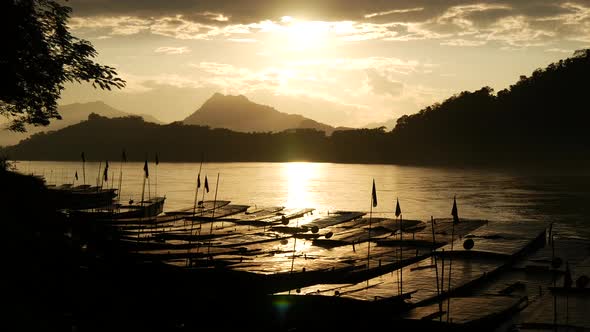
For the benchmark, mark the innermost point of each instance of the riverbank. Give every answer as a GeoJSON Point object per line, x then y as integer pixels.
{"type": "Point", "coordinates": [253, 272]}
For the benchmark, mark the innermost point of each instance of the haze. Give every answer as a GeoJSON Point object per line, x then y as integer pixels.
{"type": "Point", "coordinates": [339, 62]}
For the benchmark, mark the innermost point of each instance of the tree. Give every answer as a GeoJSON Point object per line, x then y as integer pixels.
{"type": "Point", "coordinates": [38, 56]}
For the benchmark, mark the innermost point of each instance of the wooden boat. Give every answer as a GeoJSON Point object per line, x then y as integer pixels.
{"type": "Point", "coordinates": [145, 209]}
{"type": "Point", "coordinates": [469, 266]}
{"type": "Point", "coordinates": [80, 197]}
{"type": "Point", "coordinates": [201, 208]}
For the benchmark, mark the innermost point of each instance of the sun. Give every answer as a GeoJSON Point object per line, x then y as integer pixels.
{"type": "Point", "coordinates": [299, 177]}
{"type": "Point", "coordinates": [304, 36]}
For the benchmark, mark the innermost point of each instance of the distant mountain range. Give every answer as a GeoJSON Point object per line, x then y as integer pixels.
{"type": "Point", "coordinates": [237, 113]}
{"type": "Point", "coordinates": [389, 124]}
{"type": "Point", "coordinates": [71, 114]}
{"type": "Point", "coordinates": [539, 121]}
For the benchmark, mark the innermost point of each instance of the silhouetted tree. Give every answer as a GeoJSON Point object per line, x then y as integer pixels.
{"type": "Point", "coordinates": [38, 56]}
{"type": "Point", "coordinates": [539, 119]}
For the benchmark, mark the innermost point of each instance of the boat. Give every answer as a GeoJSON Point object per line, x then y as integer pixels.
{"type": "Point", "coordinates": [200, 208]}
{"type": "Point", "coordinates": [143, 209]}
{"type": "Point", "coordinates": [80, 197]}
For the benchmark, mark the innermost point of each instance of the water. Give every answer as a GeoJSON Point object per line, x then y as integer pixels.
{"type": "Point", "coordinates": [422, 191]}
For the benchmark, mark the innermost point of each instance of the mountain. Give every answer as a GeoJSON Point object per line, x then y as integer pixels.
{"type": "Point", "coordinates": [71, 114]}
{"type": "Point", "coordinates": [240, 114]}
{"type": "Point", "coordinates": [388, 124]}
{"type": "Point", "coordinates": [538, 122]}
{"type": "Point", "coordinates": [543, 117]}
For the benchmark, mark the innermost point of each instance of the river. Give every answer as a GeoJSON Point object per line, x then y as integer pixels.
{"type": "Point", "coordinates": [561, 198]}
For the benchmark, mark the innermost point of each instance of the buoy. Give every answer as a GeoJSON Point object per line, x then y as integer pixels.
{"type": "Point", "coordinates": [556, 262]}
{"type": "Point", "coordinates": [468, 244]}
{"type": "Point", "coordinates": [582, 281]}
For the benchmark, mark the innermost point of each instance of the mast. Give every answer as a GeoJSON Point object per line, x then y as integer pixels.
{"type": "Point", "coordinates": [213, 215]}
{"type": "Point", "coordinates": [123, 160]}
{"type": "Point", "coordinates": [294, 250]}
{"type": "Point", "coordinates": [455, 215]}
{"type": "Point", "coordinates": [197, 188]}
{"type": "Point", "coordinates": [435, 266]}
{"type": "Point", "coordinates": [146, 176]}
{"type": "Point", "coordinates": [401, 255]}
{"type": "Point", "coordinates": [205, 188]}
{"type": "Point", "coordinates": [373, 203]}
{"type": "Point", "coordinates": [157, 162]}
{"type": "Point", "coordinates": [83, 167]}
{"type": "Point", "coordinates": [398, 213]}
{"type": "Point", "coordinates": [98, 175]}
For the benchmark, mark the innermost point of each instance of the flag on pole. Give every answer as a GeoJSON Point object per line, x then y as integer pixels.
{"type": "Point", "coordinates": [454, 212]}
{"type": "Point", "coordinates": [206, 184]}
{"type": "Point", "coordinates": [398, 210]}
{"type": "Point", "coordinates": [567, 279]}
{"type": "Point", "coordinates": [198, 181]}
{"type": "Point", "coordinates": [124, 156]}
{"type": "Point", "coordinates": [374, 194]}
{"type": "Point", "coordinates": [157, 160]}
{"type": "Point", "coordinates": [106, 171]}
{"type": "Point", "coordinates": [76, 175]}
{"type": "Point", "coordinates": [83, 157]}
{"type": "Point", "coordinates": [145, 169]}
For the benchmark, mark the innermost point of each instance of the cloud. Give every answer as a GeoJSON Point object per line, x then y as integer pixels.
{"type": "Point", "coordinates": [394, 11]}
{"type": "Point", "coordinates": [515, 24]}
{"type": "Point", "coordinates": [390, 65]}
{"type": "Point", "coordinates": [243, 40]}
{"type": "Point", "coordinates": [517, 31]}
{"type": "Point", "coordinates": [559, 50]}
{"type": "Point", "coordinates": [462, 18]}
{"type": "Point", "coordinates": [117, 25]}
{"type": "Point", "coordinates": [248, 11]}
{"type": "Point", "coordinates": [172, 50]}
{"type": "Point", "coordinates": [382, 85]}
{"type": "Point", "coordinates": [463, 42]}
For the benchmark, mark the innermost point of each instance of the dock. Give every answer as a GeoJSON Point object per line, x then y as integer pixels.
{"type": "Point", "coordinates": [419, 274]}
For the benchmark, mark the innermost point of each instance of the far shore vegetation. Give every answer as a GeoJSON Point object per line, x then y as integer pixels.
{"type": "Point", "coordinates": [540, 120]}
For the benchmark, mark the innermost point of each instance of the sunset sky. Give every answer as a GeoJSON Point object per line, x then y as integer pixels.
{"type": "Point", "coordinates": [345, 63]}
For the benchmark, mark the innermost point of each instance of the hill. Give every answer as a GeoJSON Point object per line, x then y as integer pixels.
{"type": "Point", "coordinates": [71, 114]}
{"type": "Point", "coordinates": [539, 121]}
{"type": "Point", "coordinates": [172, 142]}
{"type": "Point", "coordinates": [388, 124]}
{"type": "Point", "coordinates": [237, 113]}
{"type": "Point", "coordinates": [543, 117]}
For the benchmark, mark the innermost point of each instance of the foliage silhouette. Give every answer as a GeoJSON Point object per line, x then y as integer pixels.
{"type": "Point", "coordinates": [539, 119]}
{"type": "Point", "coordinates": [39, 55]}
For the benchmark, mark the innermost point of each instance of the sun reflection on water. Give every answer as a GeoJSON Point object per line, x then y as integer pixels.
{"type": "Point", "coordinates": [299, 176]}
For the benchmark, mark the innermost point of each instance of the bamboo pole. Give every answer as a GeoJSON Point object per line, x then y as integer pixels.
{"type": "Point", "coordinates": [123, 159]}
{"type": "Point", "coordinates": [442, 281]}
{"type": "Point", "coordinates": [195, 210]}
{"type": "Point", "coordinates": [213, 215]}
{"type": "Point", "coordinates": [156, 171]}
{"type": "Point", "coordinates": [373, 201]}
{"type": "Point", "coordinates": [197, 186]}
{"type": "Point", "coordinates": [98, 175]}
{"type": "Point", "coordinates": [203, 209]}
{"type": "Point", "coordinates": [294, 250]}
{"type": "Point", "coordinates": [450, 268]}
{"type": "Point", "coordinates": [401, 255]}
